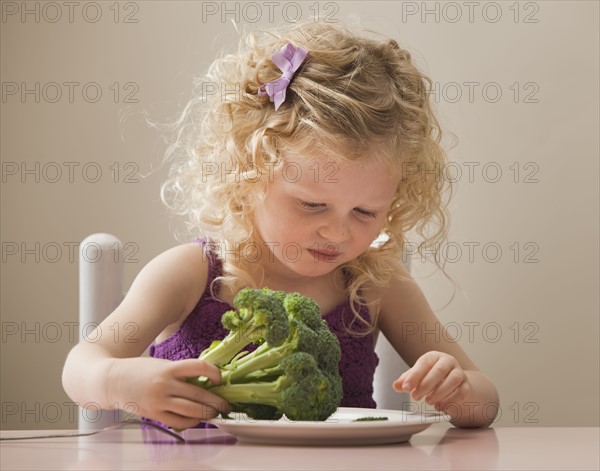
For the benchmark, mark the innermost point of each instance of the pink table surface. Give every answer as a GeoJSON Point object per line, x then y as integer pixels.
{"type": "Point", "coordinates": [438, 447]}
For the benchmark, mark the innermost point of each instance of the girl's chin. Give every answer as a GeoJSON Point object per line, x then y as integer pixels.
{"type": "Point", "coordinates": [310, 264]}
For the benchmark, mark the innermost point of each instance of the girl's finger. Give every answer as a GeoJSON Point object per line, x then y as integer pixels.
{"type": "Point", "coordinates": [190, 409]}
{"type": "Point", "coordinates": [415, 375]}
{"type": "Point", "coordinates": [398, 384]}
{"type": "Point", "coordinates": [448, 386]}
{"type": "Point", "coordinates": [194, 367]}
{"type": "Point", "coordinates": [200, 395]}
{"type": "Point", "coordinates": [434, 377]}
{"type": "Point", "coordinates": [454, 399]}
{"type": "Point", "coordinates": [177, 421]}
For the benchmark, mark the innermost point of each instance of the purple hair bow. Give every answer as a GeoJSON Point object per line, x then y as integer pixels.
{"type": "Point", "coordinates": [288, 59]}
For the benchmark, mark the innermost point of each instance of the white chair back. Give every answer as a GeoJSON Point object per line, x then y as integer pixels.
{"type": "Point", "coordinates": [100, 292]}
{"type": "Point", "coordinates": [390, 367]}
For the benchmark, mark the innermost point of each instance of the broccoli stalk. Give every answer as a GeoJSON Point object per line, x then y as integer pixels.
{"type": "Point", "coordinates": [261, 317]}
{"type": "Point", "coordinates": [264, 361]}
{"type": "Point", "coordinates": [300, 391]}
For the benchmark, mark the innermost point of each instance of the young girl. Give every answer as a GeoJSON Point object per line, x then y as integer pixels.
{"type": "Point", "coordinates": [297, 154]}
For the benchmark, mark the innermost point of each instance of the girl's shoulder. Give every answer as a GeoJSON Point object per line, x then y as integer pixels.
{"type": "Point", "coordinates": [181, 271]}
{"type": "Point", "coordinates": [392, 298]}
{"type": "Point", "coordinates": [171, 285]}
{"type": "Point", "coordinates": [182, 261]}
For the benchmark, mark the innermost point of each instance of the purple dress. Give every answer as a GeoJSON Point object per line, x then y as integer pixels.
{"type": "Point", "coordinates": [203, 325]}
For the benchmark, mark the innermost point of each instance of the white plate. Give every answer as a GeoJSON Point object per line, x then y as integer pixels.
{"type": "Point", "coordinates": [339, 429]}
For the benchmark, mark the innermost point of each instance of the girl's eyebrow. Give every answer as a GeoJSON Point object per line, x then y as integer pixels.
{"type": "Point", "coordinates": [310, 197]}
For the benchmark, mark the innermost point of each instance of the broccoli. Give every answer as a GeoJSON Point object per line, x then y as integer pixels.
{"type": "Point", "coordinates": [294, 369]}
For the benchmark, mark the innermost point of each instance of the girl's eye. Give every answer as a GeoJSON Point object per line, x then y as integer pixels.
{"type": "Point", "coordinates": [364, 212]}
{"type": "Point", "coordinates": [310, 205]}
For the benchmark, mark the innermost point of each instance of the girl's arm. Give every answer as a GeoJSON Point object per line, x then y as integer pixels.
{"type": "Point", "coordinates": [109, 371]}
{"type": "Point", "coordinates": [441, 372]}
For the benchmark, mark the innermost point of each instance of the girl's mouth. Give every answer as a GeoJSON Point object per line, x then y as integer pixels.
{"type": "Point", "coordinates": [324, 256]}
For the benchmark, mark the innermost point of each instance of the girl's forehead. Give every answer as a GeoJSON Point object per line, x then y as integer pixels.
{"type": "Point", "coordinates": [330, 167]}
{"type": "Point", "coordinates": [369, 180]}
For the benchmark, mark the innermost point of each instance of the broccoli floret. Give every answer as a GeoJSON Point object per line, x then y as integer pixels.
{"type": "Point", "coordinates": [329, 350]}
{"type": "Point", "coordinates": [260, 317]}
{"type": "Point", "coordinates": [303, 309]}
{"type": "Point", "coordinates": [326, 347]}
{"type": "Point", "coordinates": [294, 369]}
{"type": "Point", "coordinates": [301, 391]}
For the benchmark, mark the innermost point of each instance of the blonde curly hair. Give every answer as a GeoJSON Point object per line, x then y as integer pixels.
{"type": "Point", "coordinates": [354, 96]}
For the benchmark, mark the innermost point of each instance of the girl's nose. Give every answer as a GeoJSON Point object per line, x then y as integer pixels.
{"type": "Point", "coordinates": [335, 231]}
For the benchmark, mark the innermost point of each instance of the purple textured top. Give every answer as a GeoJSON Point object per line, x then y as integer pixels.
{"type": "Point", "coordinates": [203, 325]}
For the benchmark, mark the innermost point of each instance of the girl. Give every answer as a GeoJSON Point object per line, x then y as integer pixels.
{"type": "Point", "coordinates": [298, 153]}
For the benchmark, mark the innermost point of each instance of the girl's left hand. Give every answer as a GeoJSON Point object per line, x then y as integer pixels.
{"type": "Point", "coordinates": [437, 377]}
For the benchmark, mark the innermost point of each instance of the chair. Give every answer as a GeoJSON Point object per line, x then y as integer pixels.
{"type": "Point", "coordinates": [101, 291]}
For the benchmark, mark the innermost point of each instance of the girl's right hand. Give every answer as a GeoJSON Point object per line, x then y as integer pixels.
{"type": "Point", "coordinates": [159, 390]}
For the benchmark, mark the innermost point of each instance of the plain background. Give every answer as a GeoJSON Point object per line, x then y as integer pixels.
{"type": "Point", "coordinates": [517, 83]}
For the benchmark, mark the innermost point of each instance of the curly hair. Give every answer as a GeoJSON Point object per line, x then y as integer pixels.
{"type": "Point", "coordinates": [355, 96]}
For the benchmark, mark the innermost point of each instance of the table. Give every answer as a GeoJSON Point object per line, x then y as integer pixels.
{"type": "Point", "coordinates": [438, 447]}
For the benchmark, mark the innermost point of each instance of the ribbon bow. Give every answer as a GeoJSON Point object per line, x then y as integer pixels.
{"type": "Point", "coordinates": [288, 59]}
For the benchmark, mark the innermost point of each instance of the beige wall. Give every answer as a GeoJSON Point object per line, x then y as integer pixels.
{"type": "Point", "coordinates": [528, 316]}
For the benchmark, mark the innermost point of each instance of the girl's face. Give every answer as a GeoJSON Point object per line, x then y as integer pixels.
{"type": "Point", "coordinates": [317, 215]}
